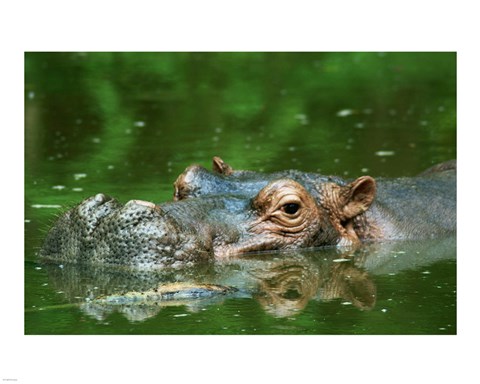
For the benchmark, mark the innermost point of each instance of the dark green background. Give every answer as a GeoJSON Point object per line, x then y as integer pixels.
{"type": "Point", "coordinates": [127, 124]}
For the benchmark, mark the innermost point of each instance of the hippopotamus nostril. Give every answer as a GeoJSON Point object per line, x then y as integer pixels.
{"type": "Point", "coordinates": [100, 198]}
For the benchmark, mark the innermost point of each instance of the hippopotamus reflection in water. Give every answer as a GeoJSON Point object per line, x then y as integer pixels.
{"type": "Point", "coordinates": [226, 213]}
{"type": "Point", "coordinates": [282, 283]}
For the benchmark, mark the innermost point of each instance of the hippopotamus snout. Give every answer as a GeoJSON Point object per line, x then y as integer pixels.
{"type": "Point", "coordinates": [140, 233]}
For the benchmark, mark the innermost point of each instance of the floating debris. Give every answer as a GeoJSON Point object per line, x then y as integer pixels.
{"type": "Point", "coordinates": [139, 124]}
{"type": "Point", "coordinates": [384, 153]}
{"type": "Point", "coordinates": [303, 119]}
{"type": "Point", "coordinates": [341, 260]}
{"type": "Point", "coordinates": [167, 292]}
{"type": "Point", "coordinates": [46, 206]}
{"type": "Point", "coordinates": [345, 112]}
{"type": "Point", "coordinates": [79, 176]}
{"type": "Point", "coordinates": [59, 187]}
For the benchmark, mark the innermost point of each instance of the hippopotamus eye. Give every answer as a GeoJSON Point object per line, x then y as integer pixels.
{"type": "Point", "coordinates": [291, 208]}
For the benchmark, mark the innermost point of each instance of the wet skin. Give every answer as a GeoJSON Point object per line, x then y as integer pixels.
{"type": "Point", "coordinates": [227, 213]}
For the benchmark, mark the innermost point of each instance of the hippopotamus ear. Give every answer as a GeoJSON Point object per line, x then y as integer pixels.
{"type": "Point", "coordinates": [357, 196]}
{"type": "Point", "coordinates": [219, 166]}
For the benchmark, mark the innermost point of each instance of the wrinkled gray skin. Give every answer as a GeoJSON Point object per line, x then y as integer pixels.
{"type": "Point", "coordinates": [225, 213]}
{"type": "Point", "coordinates": [102, 230]}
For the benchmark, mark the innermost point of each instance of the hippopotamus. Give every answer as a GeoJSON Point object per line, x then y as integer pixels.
{"type": "Point", "coordinates": [223, 213]}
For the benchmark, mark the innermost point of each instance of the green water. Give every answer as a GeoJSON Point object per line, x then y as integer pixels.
{"type": "Point", "coordinates": [127, 124]}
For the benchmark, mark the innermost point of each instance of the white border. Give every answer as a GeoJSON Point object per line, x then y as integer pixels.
{"type": "Point", "coordinates": [231, 26]}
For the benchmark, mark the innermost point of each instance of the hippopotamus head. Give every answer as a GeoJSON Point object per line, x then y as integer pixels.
{"type": "Point", "coordinates": [217, 214]}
